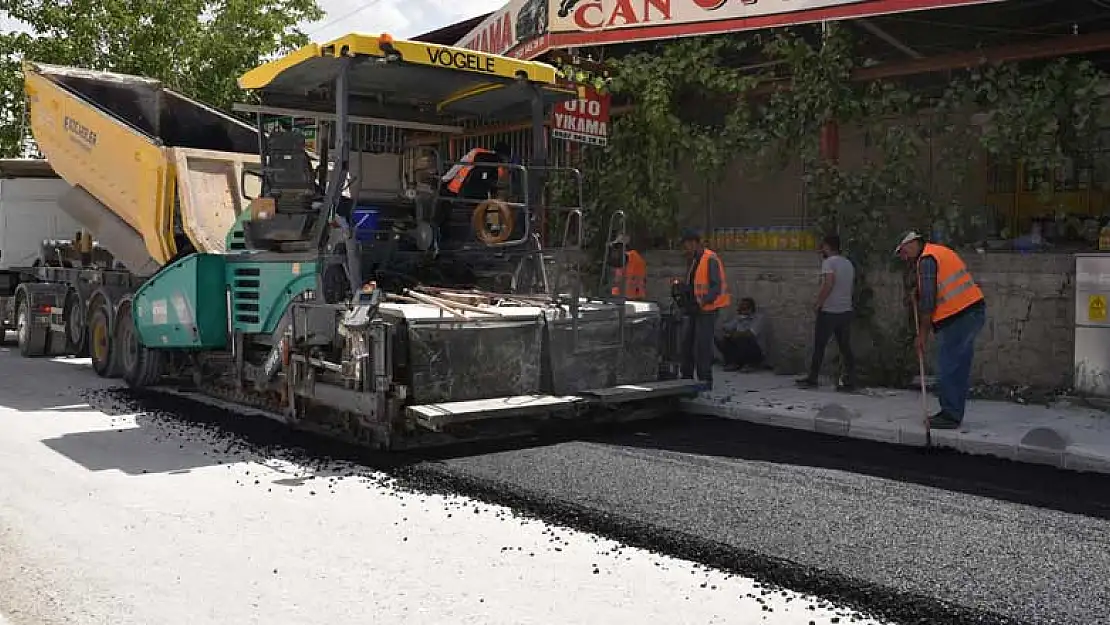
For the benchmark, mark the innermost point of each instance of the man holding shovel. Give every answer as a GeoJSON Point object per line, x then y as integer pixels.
{"type": "Point", "coordinates": [951, 305]}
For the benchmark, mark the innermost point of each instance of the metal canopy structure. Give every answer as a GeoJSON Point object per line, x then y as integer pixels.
{"type": "Point", "coordinates": [405, 80]}
{"type": "Point", "coordinates": [926, 45]}
{"type": "Point", "coordinates": [1034, 26]}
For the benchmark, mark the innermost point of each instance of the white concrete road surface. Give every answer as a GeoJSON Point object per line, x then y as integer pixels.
{"type": "Point", "coordinates": [134, 519]}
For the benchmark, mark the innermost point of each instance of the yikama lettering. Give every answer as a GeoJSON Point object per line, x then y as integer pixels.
{"type": "Point", "coordinates": [581, 125]}
{"type": "Point", "coordinates": [79, 130]}
{"type": "Point", "coordinates": [461, 60]}
{"type": "Point", "coordinates": [592, 14]}
{"type": "Point", "coordinates": [494, 38]}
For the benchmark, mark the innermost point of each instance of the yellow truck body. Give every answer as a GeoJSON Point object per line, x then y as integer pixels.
{"type": "Point", "coordinates": [162, 171]}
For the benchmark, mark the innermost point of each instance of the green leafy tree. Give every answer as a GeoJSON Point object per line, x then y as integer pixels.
{"type": "Point", "coordinates": [197, 47]}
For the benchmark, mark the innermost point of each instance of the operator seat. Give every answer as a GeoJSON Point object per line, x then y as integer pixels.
{"type": "Point", "coordinates": [283, 216]}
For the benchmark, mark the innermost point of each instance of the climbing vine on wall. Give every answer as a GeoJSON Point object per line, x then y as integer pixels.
{"type": "Point", "coordinates": [696, 109]}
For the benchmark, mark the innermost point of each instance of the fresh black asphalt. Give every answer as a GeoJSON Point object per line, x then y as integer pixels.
{"type": "Point", "coordinates": [1022, 542]}
{"type": "Point", "coordinates": [916, 536]}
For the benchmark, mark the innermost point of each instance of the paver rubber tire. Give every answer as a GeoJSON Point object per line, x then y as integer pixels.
{"type": "Point", "coordinates": [77, 336]}
{"type": "Point", "coordinates": [104, 360]}
{"type": "Point", "coordinates": [32, 340]}
{"type": "Point", "coordinates": [141, 366]}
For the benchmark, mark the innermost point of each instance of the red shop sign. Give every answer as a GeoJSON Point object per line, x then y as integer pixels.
{"type": "Point", "coordinates": [585, 120]}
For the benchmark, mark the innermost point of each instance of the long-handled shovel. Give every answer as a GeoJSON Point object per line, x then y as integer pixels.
{"type": "Point", "coordinates": [921, 377]}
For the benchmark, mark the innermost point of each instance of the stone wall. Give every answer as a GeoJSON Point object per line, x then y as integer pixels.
{"type": "Point", "coordinates": [1028, 338]}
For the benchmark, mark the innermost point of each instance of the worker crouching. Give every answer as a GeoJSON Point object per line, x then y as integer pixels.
{"type": "Point", "coordinates": [704, 292]}
{"type": "Point", "coordinates": [629, 270]}
{"type": "Point", "coordinates": [951, 305]}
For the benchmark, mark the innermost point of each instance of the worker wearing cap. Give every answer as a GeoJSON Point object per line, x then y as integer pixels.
{"type": "Point", "coordinates": [952, 306]}
{"type": "Point", "coordinates": [629, 270]}
{"type": "Point", "coordinates": [705, 293]}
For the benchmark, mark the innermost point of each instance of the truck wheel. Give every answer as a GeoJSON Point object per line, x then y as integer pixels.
{"type": "Point", "coordinates": [77, 339]}
{"type": "Point", "coordinates": [141, 366]}
{"type": "Point", "coordinates": [32, 340]}
{"type": "Point", "coordinates": [104, 360]}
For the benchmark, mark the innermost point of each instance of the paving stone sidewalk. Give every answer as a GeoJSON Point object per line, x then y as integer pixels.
{"type": "Point", "coordinates": [1062, 435]}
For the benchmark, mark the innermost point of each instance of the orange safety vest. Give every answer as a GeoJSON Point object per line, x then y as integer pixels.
{"type": "Point", "coordinates": [701, 283]}
{"type": "Point", "coordinates": [632, 278]}
{"type": "Point", "coordinates": [464, 170]}
{"type": "Point", "coordinates": [956, 289]}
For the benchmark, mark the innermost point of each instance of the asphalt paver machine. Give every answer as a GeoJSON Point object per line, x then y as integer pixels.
{"type": "Point", "coordinates": [362, 292]}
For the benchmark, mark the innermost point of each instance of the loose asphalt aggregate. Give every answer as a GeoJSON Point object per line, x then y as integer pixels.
{"type": "Point", "coordinates": [915, 536]}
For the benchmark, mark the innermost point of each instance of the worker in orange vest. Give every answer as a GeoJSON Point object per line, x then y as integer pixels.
{"type": "Point", "coordinates": [458, 174]}
{"type": "Point", "coordinates": [951, 305]}
{"type": "Point", "coordinates": [629, 271]}
{"type": "Point", "coordinates": [704, 292]}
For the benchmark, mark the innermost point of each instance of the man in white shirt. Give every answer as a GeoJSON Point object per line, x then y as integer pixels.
{"type": "Point", "coordinates": [834, 314]}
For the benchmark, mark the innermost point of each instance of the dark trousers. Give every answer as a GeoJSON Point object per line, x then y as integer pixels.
{"type": "Point", "coordinates": [740, 351]}
{"type": "Point", "coordinates": [697, 345]}
{"type": "Point", "coordinates": [828, 326]}
{"type": "Point", "coordinates": [955, 351]}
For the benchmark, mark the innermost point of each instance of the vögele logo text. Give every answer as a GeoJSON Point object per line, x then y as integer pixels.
{"type": "Point", "coordinates": [461, 60]}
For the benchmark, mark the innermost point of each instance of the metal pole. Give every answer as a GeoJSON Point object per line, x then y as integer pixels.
{"type": "Point", "coordinates": [341, 163]}
{"type": "Point", "coordinates": [539, 158]}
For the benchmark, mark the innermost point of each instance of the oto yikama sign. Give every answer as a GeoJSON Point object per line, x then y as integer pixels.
{"type": "Point", "coordinates": [585, 120]}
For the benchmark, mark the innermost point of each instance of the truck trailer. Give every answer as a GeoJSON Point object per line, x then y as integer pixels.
{"type": "Point", "coordinates": [372, 289]}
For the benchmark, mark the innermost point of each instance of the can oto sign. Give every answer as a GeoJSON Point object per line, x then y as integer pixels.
{"type": "Point", "coordinates": [585, 120]}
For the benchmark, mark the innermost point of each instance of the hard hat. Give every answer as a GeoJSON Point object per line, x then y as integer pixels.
{"type": "Point", "coordinates": [912, 235]}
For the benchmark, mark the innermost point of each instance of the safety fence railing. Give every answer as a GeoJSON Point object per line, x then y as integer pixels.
{"type": "Point", "coordinates": [512, 207]}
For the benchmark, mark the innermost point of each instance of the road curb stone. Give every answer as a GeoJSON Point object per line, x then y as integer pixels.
{"type": "Point", "coordinates": [1054, 448]}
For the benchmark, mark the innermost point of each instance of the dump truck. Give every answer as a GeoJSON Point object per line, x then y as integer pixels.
{"type": "Point", "coordinates": [151, 176]}
{"type": "Point", "coordinates": [374, 289]}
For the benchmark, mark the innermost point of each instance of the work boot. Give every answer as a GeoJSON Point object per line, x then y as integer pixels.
{"type": "Point", "coordinates": [944, 421]}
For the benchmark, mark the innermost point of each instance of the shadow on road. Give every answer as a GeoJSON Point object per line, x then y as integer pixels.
{"type": "Point", "coordinates": [1035, 485]}
{"type": "Point", "coordinates": [164, 433]}
{"type": "Point", "coordinates": [131, 450]}
{"type": "Point", "coordinates": [46, 384]}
